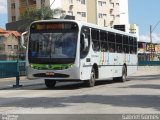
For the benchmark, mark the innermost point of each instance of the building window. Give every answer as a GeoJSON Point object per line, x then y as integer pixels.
{"type": "Point", "coordinates": [83, 14]}
{"type": "Point", "coordinates": [2, 47]}
{"type": "Point", "coordinates": [117, 4]}
{"type": "Point", "coordinates": [100, 15]}
{"type": "Point", "coordinates": [110, 1]}
{"type": "Point", "coordinates": [78, 13]}
{"type": "Point", "coordinates": [100, 3]}
{"type": "Point", "coordinates": [2, 39]}
{"type": "Point", "coordinates": [113, 5]}
{"type": "Point", "coordinates": [13, 6]}
{"type": "Point", "coordinates": [111, 11]}
{"type": "Point", "coordinates": [70, 1]}
{"type": "Point", "coordinates": [104, 15]}
{"type": "Point", "coordinates": [111, 23]}
{"type": "Point", "coordinates": [104, 2]}
{"type": "Point", "coordinates": [9, 47]}
{"type": "Point", "coordinates": [42, 3]}
{"type": "Point", "coordinates": [13, 18]}
{"type": "Point", "coordinates": [83, 2]}
{"type": "Point", "coordinates": [15, 47]}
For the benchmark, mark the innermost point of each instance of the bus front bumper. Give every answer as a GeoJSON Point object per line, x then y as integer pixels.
{"type": "Point", "coordinates": [71, 74]}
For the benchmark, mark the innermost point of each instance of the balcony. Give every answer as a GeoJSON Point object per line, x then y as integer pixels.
{"type": "Point", "coordinates": [23, 8]}
{"type": "Point", "coordinates": [27, 2]}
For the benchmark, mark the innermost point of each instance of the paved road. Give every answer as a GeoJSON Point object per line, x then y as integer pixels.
{"type": "Point", "coordinates": [141, 94]}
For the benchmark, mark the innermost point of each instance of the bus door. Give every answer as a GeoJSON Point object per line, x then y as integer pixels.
{"type": "Point", "coordinates": [116, 65]}
{"type": "Point", "coordinates": [84, 46]}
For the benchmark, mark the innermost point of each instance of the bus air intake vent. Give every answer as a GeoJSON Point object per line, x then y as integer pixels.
{"type": "Point", "coordinates": [56, 75]}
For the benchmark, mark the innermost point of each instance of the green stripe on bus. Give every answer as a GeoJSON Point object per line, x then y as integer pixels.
{"type": "Point", "coordinates": [51, 67]}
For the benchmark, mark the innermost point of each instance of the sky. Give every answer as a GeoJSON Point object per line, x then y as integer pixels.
{"type": "Point", "coordinates": [145, 13]}
{"type": "Point", "coordinates": [3, 13]}
{"type": "Point", "coordinates": [141, 12]}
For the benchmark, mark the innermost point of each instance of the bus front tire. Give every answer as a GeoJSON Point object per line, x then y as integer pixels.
{"type": "Point", "coordinates": [91, 81]}
{"type": "Point", "coordinates": [50, 83]}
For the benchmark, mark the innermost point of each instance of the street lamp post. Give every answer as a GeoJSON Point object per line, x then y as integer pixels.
{"type": "Point", "coordinates": [151, 42]}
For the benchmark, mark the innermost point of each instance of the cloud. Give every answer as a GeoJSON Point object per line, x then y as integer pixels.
{"type": "Point", "coordinates": [146, 38]}
{"type": "Point", "coordinates": [3, 6]}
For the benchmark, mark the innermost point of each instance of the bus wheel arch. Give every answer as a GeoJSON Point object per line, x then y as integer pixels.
{"type": "Point", "coordinates": [125, 68]}
{"type": "Point", "coordinates": [123, 77]}
{"type": "Point", "coordinates": [95, 67]}
{"type": "Point", "coordinates": [93, 76]}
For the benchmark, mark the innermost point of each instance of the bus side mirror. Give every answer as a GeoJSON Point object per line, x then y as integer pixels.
{"type": "Point", "coordinates": [84, 42]}
{"type": "Point", "coordinates": [23, 39]}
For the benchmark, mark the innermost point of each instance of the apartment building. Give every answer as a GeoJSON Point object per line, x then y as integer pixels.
{"type": "Point", "coordinates": [102, 12]}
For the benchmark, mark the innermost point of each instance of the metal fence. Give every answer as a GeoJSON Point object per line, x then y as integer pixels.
{"type": "Point", "coordinates": [17, 68]}
{"type": "Point", "coordinates": [12, 69]}
{"type": "Point", "coordinates": [149, 63]}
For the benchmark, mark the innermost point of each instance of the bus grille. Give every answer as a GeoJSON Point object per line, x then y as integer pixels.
{"type": "Point", "coordinates": [56, 75]}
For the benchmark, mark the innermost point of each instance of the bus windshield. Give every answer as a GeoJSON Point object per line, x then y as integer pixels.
{"type": "Point", "coordinates": [59, 47]}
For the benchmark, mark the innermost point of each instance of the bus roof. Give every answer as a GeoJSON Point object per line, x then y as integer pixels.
{"type": "Point", "coordinates": [81, 23]}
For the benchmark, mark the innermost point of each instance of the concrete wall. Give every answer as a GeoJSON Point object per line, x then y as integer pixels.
{"type": "Point", "coordinates": [92, 11]}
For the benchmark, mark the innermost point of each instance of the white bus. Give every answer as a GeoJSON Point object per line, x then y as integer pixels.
{"type": "Point", "coordinates": [68, 50]}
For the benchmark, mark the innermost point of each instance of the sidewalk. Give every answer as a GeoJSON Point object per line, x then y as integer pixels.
{"type": "Point", "coordinates": [148, 68]}
{"type": "Point", "coordinates": [12, 79]}
{"type": "Point", "coordinates": [7, 83]}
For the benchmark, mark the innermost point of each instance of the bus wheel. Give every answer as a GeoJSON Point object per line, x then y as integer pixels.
{"type": "Point", "coordinates": [50, 83]}
{"type": "Point", "coordinates": [124, 74]}
{"type": "Point", "coordinates": [123, 78]}
{"type": "Point", "coordinates": [91, 81]}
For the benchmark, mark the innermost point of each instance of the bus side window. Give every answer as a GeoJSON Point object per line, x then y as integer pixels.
{"type": "Point", "coordinates": [135, 45]}
{"type": "Point", "coordinates": [104, 41]}
{"type": "Point", "coordinates": [125, 44]}
{"type": "Point", "coordinates": [131, 45]}
{"type": "Point", "coordinates": [111, 41]}
{"type": "Point", "coordinates": [119, 43]}
{"type": "Point", "coordinates": [95, 40]}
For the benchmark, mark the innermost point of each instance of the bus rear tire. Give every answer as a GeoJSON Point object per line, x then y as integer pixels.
{"type": "Point", "coordinates": [50, 83]}
{"type": "Point", "coordinates": [123, 78]}
{"type": "Point", "coordinates": [92, 80]}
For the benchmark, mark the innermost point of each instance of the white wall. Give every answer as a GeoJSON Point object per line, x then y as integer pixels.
{"type": "Point", "coordinates": [123, 8]}
{"type": "Point", "coordinates": [56, 4]}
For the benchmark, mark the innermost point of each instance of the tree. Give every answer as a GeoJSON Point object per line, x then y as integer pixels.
{"type": "Point", "coordinates": [33, 14]}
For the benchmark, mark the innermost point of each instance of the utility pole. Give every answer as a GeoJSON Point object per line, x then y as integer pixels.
{"type": "Point", "coordinates": [151, 42]}
{"type": "Point", "coordinates": [152, 46]}
{"type": "Point", "coordinates": [151, 31]}
{"type": "Point", "coordinates": [42, 6]}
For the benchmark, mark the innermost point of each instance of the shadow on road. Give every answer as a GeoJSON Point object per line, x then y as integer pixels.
{"type": "Point", "coordinates": [138, 101]}
{"type": "Point", "coordinates": [148, 86]}
{"type": "Point", "coordinates": [146, 77]}
{"type": "Point", "coordinates": [59, 86]}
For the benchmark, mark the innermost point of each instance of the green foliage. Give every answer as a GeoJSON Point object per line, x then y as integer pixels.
{"type": "Point", "coordinates": [45, 13]}
{"type": "Point", "coordinates": [158, 56]}
{"type": "Point", "coordinates": [33, 14]}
